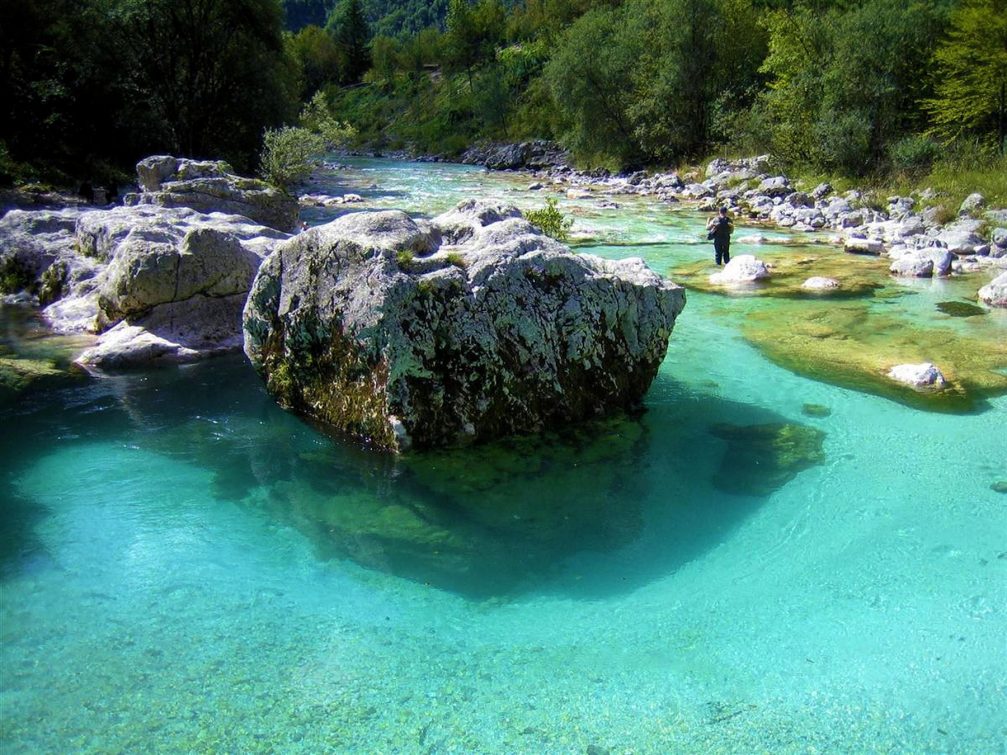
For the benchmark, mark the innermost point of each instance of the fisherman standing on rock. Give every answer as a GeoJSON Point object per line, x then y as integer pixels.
{"type": "Point", "coordinates": [719, 229]}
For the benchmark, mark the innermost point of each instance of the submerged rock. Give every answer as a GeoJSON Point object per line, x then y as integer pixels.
{"type": "Point", "coordinates": [759, 459]}
{"type": "Point", "coordinates": [817, 283]}
{"type": "Point", "coordinates": [373, 327]}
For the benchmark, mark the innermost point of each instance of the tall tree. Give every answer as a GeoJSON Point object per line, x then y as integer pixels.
{"type": "Point", "coordinates": [213, 73]}
{"type": "Point", "coordinates": [971, 89]}
{"type": "Point", "coordinates": [348, 24]}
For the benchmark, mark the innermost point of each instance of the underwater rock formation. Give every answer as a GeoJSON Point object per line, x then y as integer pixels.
{"type": "Point", "coordinates": [373, 326]}
{"type": "Point", "coordinates": [761, 458]}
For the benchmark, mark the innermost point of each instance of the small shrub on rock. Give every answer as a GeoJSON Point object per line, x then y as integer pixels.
{"type": "Point", "coordinates": [551, 221]}
{"type": "Point", "coordinates": [289, 154]}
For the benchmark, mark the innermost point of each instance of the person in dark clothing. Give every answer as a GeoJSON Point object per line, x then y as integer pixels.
{"type": "Point", "coordinates": [719, 229]}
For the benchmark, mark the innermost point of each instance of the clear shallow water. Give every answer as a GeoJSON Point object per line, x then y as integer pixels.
{"type": "Point", "coordinates": [185, 567]}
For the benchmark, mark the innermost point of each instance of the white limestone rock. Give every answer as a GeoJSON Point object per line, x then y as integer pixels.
{"type": "Point", "coordinates": [818, 283]}
{"type": "Point", "coordinates": [994, 293]}
{"type": "Point", "coordinates": [918, 376]}
{"type": "Point", "coordinates": [859, 245]}
{"type": "Point", "coordinates": [744, 268]}
{"type": "Point", "coordinates": [403, 342]}
{"type": "Point", "coordinates": [211, 186]}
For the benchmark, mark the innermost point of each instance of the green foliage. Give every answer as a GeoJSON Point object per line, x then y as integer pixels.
{"type": "Point", "coordinates": [317, 117]}
{"type": "Point", "coordinates": [653, 80]}
{"type": "Point", "coordinates": [15, 276]}
{"type": "Point", "coordinates": [352, 35]}
{"type": "Point", "coordinates": [456, 259]}
{"type": "Point", "coordinates": [404, 258]}
{"type": "Point", "coordinates": [52, 283]}
{"type": "Point", "coordinates": [289, 154]}
{"type": "Point", "coordinates": [845, 81]}
{"type": "Point", "coordinates": [551, 221]}
{"type": "Point", "coordinates": [914, 155]}
{"type": "Point", "coordinates": [92, 85]}
{"type": "Point", "coordinates": [319, 57]}
{"type": "Point", "coordinates": [971, 91]}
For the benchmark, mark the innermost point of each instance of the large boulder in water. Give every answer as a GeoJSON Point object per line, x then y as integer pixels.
{"type": "Point", "coordinates": [373, 326]}
{"type": "Point", "coordinates": [211, 186]}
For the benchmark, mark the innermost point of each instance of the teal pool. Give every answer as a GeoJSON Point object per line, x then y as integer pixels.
{"type": "Point", "coordinates": [759, 563]}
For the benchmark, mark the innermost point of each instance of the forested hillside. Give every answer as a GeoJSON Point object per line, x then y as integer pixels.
{"type": "Point", "coordinates": [391, 17]}
{"type": "Point", "coordinates": [855, 87]}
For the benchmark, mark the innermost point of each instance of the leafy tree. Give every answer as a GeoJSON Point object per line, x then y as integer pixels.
{"type": "Point", "coordinates": [971, 89]}
{"type": "Point", "coordinates": [590, 77]}
{"type": "Point", "coordinates": [289, 154]}
{"type": "Point", "coordinates": [845, 82]}
{"type": "Point", "coordinates": [319, 57]}
{"type": "Point", "coordinates": [211, 73]}
{"type": "Point", "coordinates": [317, 117]}
{"type": "Point", "coordinates": [353, 35]}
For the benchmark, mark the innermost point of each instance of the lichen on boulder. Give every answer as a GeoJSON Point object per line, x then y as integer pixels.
{"type": "Point", "coordinates": [375, 327]}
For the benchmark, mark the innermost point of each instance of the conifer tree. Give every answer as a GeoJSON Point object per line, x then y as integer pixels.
{"type": "Point", "coordinates": [348, 24]}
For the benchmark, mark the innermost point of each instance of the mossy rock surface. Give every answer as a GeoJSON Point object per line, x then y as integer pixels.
{"type": "Point", "coordinates": [762, 458]}
{"type": "Point", "coordinates": [851, 346]}
{"type": "Point", "coordinates": [790, 268]}
{"type": "Point", "coordinates": [17, 373]}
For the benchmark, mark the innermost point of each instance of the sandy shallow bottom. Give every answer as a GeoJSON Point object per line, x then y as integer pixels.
{"type": "Point", "coordinates": [162, 588]}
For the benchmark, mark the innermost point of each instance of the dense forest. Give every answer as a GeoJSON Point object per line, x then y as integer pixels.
{"type": "Point", "coordinates": [849, 87]}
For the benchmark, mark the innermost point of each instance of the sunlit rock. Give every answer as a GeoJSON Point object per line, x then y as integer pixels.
{"type": "Point", "coordinates": [211, 186]}
{"type": "Point", "coordinates": [744, 268]}
{"type": "Point", "coordinates": [994, 293]}
{"type": "Point", "coordinates": [925, 375]}
{"type": "Point", "coordinates": [369, 326]}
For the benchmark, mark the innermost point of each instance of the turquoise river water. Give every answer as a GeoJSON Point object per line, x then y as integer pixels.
{"type": "Point", "coordinates": [185, 567]}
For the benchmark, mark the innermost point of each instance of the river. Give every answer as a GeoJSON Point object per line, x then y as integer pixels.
{"type": "Point", "coordinates": [761, 562]}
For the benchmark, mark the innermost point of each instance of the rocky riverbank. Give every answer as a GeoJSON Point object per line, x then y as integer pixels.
{"type": "Point", "coordinates": [156, 280]}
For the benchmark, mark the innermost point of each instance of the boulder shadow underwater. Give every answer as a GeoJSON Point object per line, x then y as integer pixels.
{"type": "Point", "coordinates": [501, 519]}
{"type": "Point", "coordinates": [599, 508]}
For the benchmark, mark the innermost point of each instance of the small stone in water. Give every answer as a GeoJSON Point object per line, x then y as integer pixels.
{"type": "Point", "coordinates": [816, 410]}
{"type": "Point", "coordinates": [1000, 486]}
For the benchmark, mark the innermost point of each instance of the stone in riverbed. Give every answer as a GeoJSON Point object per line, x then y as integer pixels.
{"type": "Point", "coordinates": [820, 284]}
{"type": "Point", "coordinates": [918, 376]}
{"type": "Point", "coordinates": [759, 459]}
{"type": "Point", "coordinates": [995, 292]}
{"type": "Point", "coordinates": [369, 326]}
{"type": "Point", "coordinates": [744, 268]}
{"type": "Point", "coordinates": [857, 245]}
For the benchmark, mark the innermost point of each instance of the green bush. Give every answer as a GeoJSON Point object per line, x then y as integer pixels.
{"type": "Point", "coordinates": [913, 155]}
{"type": "Point", "coordinates": [317, 117]}
{"type": "Point", "coordinates": [289, 154]}
{"type": "Point", "coordinates": [551, 221]}
{"type": "Point", "coordinates": [15, 276]}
